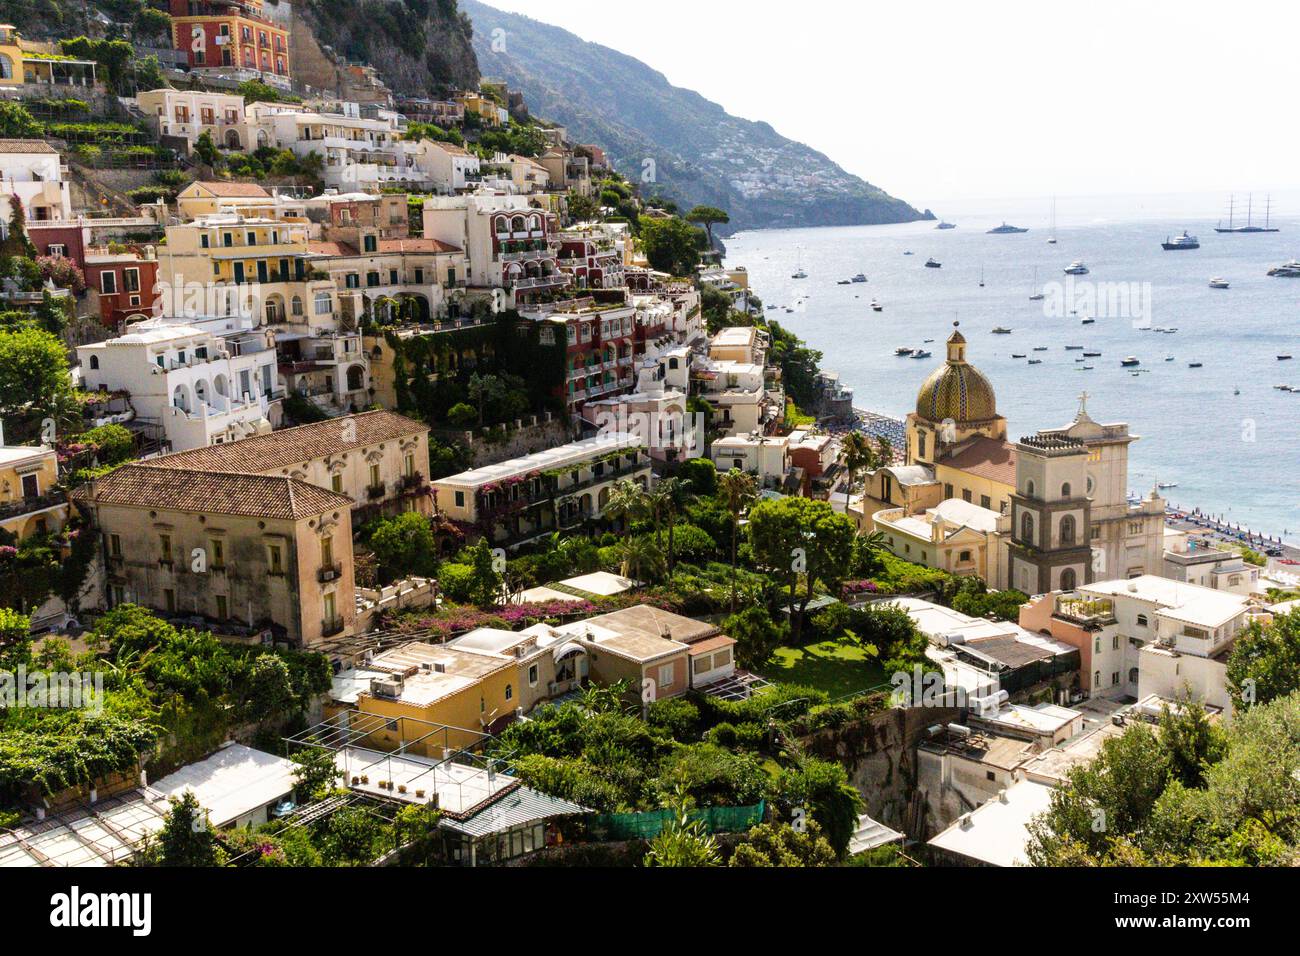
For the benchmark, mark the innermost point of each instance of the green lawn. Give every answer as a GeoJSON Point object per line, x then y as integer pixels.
{"type": "Point", "coordinates": [838, 667]}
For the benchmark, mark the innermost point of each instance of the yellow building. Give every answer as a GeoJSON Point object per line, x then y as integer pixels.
{"type": "Point", "coordinates": [11, 56]}
{"type": "Point", "coordinates": [29, 500]}
{"type": "Point", "coordinates": [427, 686]}
{"type": "Point", "coordinates": [206, 198]}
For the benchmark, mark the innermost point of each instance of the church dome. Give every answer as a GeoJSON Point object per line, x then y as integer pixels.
{"type": "Point", "coordinates": [956, 390]}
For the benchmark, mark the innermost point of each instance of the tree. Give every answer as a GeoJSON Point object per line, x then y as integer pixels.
{"type": "Point", "coordinates": [15, 639]}
{"type": "Point", "coordinates": [684, 841]}
{"type": "Point", "coordinates": [856, 453]}
{"type": "Point", "coordinates": [485, 582]}
{"type": "Point", "coordinates": [62, 272]}
{"type": "Point", "coordinates": [801, 540]}
{"type": "Point", "coordinates": [739, 490]}
{"type": "Point", "coordinates": [708, 216]}
{"type": "Point", "coordinates": [675, 496]}
{"type": "Point", "coordinates": [315, 772]}
{"type": "Point", "coordinates": [701, 476]}
{"type": "Point", "coordinates": [404, 546]}
{"type": "Point", "coordinates": [640, 559]}
{"type": "Point", "coordinates": [822, 791]}
{"type": "Point", "coordinates": [1265, 661]}
{"type": "Point", "coordinates": [270, 689]}
{"type": "Point", "coordinates": [627, 502]}
{"type": "Point", "coordinates": [16, 245]}
{"type": "Point", "coordinates": [757, 636]}
{"type": "Point", "coordinates": [780, 844]}
{"type": "Point", "coordinates": [206, 150]}
{"type": "Point", "coordinates": [33, 369]}
{"type": "Point", "coordinates": [1193, 743]}
{"type": "Point", "coordinates": [186, 837]}
{"type": "Point", "coordinates": [670, 245]}
{"type": "Point", "coordinates": [16, 122]}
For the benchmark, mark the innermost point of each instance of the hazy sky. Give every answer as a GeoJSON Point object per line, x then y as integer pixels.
{"type": "Point", "coordinates": [931, 99]}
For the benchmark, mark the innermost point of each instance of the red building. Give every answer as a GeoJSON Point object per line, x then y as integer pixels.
{"type": "Point", "coordinates": [235, 34]}
{"type": "Point", "coordinates": [122, 284]}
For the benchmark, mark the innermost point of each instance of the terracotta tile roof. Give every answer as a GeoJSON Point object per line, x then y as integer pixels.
{"type": "Point", "coordinates": [987, 458]}
{"type": "Point", "coordinates": [321, 248]}
{"type": "Point", "coordinates": [26, 146]}
{"type": "Point", "coordinates": [712, 644]}
{"type": "Point", "coordinates": [416, 245]}
{"type": "Point", "coordinates": [234, 190]}
{"type": "Point", "coordinates": [171, 489]}
{"type": "Point", "coordinates": [284, 449]}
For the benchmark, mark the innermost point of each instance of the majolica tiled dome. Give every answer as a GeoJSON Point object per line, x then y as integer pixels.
{"type": "Point", "coordinates": [956, 390]}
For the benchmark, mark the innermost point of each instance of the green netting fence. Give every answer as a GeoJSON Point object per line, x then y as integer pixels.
{"type": "Point", "coordinates": [646, 826]}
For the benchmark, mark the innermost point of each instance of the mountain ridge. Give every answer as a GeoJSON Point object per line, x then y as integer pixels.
{"type": "Point", "coordinates": [673, 140]}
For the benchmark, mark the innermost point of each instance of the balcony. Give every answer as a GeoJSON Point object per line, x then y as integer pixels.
{"type": "Point", "coordinates": [375, 492]}
{"type": "Point", "coordinates": [331, 628]}
{"type": "Point", "coordinates": [330, 573]}
{"type": "Point", "coordinates": [26, 506]}
{"type": "Point", "coordinates": [412, 482]}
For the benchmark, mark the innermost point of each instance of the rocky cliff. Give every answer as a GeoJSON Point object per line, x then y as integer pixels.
{"type": "Point", "coordinates": [673, 140]}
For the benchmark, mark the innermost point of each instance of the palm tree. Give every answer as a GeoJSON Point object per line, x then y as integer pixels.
{"type": "Point", "coordinates": [640, 558]}
{"type": "Point", "coordinates": [676, 496]}
{"type": "Point", "coordinates": [627, 502]}
{"type": "Point", "coordinates": [738, 490]}
{"type": "Point", "coordinates": [856, 453]}
{"type": "Point", "coordinates": [657, 500]}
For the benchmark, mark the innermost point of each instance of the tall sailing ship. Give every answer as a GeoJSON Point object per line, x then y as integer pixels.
{"type": "Point", "coordinates": [1250, 219]}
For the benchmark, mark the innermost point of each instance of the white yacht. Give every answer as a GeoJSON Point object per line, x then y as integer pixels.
{"type": "Point", "coordinates": [1076, 268]}
{"type": "Point", "coordinates": [1217, 283]}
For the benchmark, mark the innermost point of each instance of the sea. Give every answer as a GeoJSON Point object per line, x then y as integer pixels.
{"type": "Point", "coordinates": [1222, 433]}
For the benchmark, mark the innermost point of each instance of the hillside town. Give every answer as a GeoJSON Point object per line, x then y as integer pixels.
{"type": "Point", "coordinates": [391, 480]}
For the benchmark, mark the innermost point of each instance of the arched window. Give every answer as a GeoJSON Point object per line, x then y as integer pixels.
{"type": "Point", "coordinates": [324, 303]}
{"type": "Point", "coordinates": [1027, 527]}
{"type": "Point", "coordinates": [510, 692]}
{"type": "Point", "coordinates": [1133, 675]}
{"type": "Point", "coordinates": [94, 361]}
{"type": "Point", "coordinates": [1029, 489]}
{"type": "Point", "coordinates": [1142, 620]}
{"type": "Point", "coordinates": [6, 68]}
{"type": "Point", "coordinates": [297, 305]}
{"type": "Point", "coordinates": [1096, 678]}
{"type": "Point", "coordinates": [1065, 490]}
{"type": "Point", "coordinates": [1068, 580]}
{"type": "Point", "coordinates": [1067, 530]}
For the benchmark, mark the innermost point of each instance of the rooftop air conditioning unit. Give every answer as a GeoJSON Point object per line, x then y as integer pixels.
{"type": "Point", "coordinates": [959, 730]}
{"type": "Point", "coordinates": [389, 687]}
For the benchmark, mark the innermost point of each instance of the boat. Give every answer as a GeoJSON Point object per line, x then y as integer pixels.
{"type": "Point", "coordinates": [1288, 270]}
{"type": "Point", "coordinates": [1184, 241]}
{"type": "Point", "coordinates": [1087, 368]}
{"type": "Point", "coordinates": [843, 282]}
{"type": "Point", "coordinates": [1166, 485]}
{"type": "Point", "coordinates": [1284, 358]}
{"type": "Point", "coordinates": [981, 277]}
{"type": "Point", "coordinates": [1018, 355]}
{"type": "Point", "coordinates": [1169, 358]}
{"type": "Point", "coordinates": [1035, 361]}
{"type": "Point", "coordinates": [1074, 348]}
{"type": "Point", "coordinates": [1092, 355]}
{"type": "Point", "coordinates": [1250, 226]}
{"type": "Point", "coordinates": [1005, 230]}
{"type": "Point", "coordinates": [1194, 365]}
{"type": "Point", "coordinates": [1130, 362]}
{"type": "Point", "coordinates": [1076, 268]}
{"type": "Point", "coordinates": [904, 350]}
{"type": "Point", "coordinates": [1171, 330]}
{"type": "Point", "coordinates": [1087, 321]}
{"type": "Point", "coordinates": [933, 264]}
{"type": "Point", "coordinates": [921, 353]}
{"type": "Point", "coordinates": [860, 277]}
{"type": "Point", "coordinates": [1034, 294]}
{"type": "Point", "coordinates": [1001, 330]}
{"type": "Point", "coordinates": [1217, 283]}
{"type": "Point", "coordinates": [946, 225]}
{"type": "Point", "coordinates": [907, 252]}
{"type": "Point", "coordinates": [876, 306]}
{"type": "Point", "coordinates": [1040, 348]}
{"type": "Point", "coordinates": [799, 275]}
{"type": "Point", "coordinates": [1051, 240]}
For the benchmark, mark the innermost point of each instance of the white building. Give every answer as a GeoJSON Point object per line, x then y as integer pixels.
{"type": "Point", "coordinates": [767, 457]}
{"type": "Point", "coordinates": [31, 169]}
{"type": "Point", "coordinates": [191, 113]}
{"type": "Point", "coordinates": [448, 167]}
{"type": "Point", "coordinates": [1195, 559]}
{"type": "Point", "coordinates": [201, 388]}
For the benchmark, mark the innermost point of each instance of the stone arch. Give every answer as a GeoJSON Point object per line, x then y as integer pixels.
{"type": "Point", "coordinates": [1065, 490]}
{"type": "Point", "coordinates": [1069, 580]}
{"type": "Point", "coordinates": [356, 378]}
{"type": "Point", "coordinates": [232, 139]}
{"type": "Point", "coordinates": [1067, 530]}
{"type": "Point", "coordinates": [1027, 528]}
{"type": "Point", "coordinates": [6, 67]}
{"type": "Point", "coordinates": [181, 398]}
{"type": "Point", "coordinates": [221, 386]}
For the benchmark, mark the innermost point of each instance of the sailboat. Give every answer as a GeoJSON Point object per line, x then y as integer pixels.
{"type": "Point", "coordinates": [981, 277]}
{"type": "Point", "coordinates": [1035, 295]}
{"type": "Point", "coordinates": [1250, 224]}
{"type": "Point", "coordinates": [1051, 240]}
{"type": "Point", "coordinates": [799, 273]}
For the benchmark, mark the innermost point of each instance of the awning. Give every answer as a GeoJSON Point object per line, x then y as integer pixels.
{"type": "Point", "coordinates": [567, 650]}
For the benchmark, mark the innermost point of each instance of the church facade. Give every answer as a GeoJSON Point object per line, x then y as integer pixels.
{"type": "Point", "coordinates": [1061, 494]}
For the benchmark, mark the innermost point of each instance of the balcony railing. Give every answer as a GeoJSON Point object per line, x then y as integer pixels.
{"type": "Point", "coordinates": [375, 492]}
{"type": "Point", "coordinates": [331, 628]}
{"type": "Point", "coordinates": [25, 506]}
{"type": "Point", "coordinates": [330, 573]}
